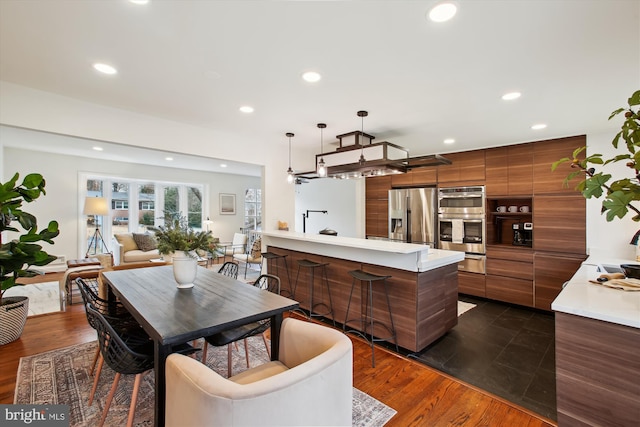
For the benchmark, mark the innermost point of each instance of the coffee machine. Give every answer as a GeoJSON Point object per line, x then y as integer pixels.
{"type": "Point", "coordinates": [523, 234]}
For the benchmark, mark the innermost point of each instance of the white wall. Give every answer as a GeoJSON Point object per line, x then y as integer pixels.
{"type": "Point", "coordinates": [342, 199]}
{"type": "Point", "coordinates": [609, 239]}
{"type": "Point", "coordinates": [33, 109]}
{"type": "Point", "coordinates": [63, 204]}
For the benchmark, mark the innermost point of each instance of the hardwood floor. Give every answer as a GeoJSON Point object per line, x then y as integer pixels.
{"type": "Point", "coordinates": [421, 395]}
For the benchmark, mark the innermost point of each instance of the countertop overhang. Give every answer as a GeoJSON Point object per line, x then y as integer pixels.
{"type": "Point", "coordinates": [403, 256]}
{"type": "Point", "coordinates": [598, 302]}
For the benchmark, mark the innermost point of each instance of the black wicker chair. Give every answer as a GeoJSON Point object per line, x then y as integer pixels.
{"type": "Point", "coordinates": [230, 269]}
{"type": "Point", "coordinates": [125, 354]}
{"type": "Point", "coordinates": [267, 282]}
{"type": "Point", "coordinates": [117, 315]}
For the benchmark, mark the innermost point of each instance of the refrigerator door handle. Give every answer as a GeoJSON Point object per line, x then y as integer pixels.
{"type": "Point", "coordinates": [408, 226]}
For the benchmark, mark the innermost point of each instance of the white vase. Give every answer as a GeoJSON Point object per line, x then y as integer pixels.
{"type": "Point", "coordinates": [185, 270]}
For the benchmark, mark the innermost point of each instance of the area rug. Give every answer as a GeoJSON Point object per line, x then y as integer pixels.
{"type": "Point", "coordinates": [463, 307]}
{"type": "Point", "coordinates": [43, 297]}
{"type": "Point", "coordinates": [62, 377]}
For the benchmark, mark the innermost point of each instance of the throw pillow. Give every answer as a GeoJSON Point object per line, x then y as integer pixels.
{"type": "Point", "coordinates": [146, 242]}
{"type": "Point", "coordinates": [256, 249]}
{"type": "Point", "coordinates": [127, 242]}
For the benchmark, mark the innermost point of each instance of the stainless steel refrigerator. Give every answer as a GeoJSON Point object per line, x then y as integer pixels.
{"type": "Point", "coordinates": [413, 215]}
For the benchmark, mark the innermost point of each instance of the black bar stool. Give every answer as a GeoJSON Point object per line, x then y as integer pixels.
{"type": "Point", "coordinates": [311, 266]}
{"type": "Point", "coordinates": [274, 257]}
{"type": "Point", "coordinates": [367, 319]}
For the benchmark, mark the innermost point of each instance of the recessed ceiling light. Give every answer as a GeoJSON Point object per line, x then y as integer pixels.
{"type": "Point", "coordinates": [168, 159]}
{"type": "Point", "coordinates": [246, 109]}
{"type": "Point", "coordinates": [511, 96]}
{"type": "Point", "coordinates": [105, 68]}
{"type": "Point", "coordinates": [139, 1]}
{"type": "Point", "coordinates": [442, 12]}
{"type": "Point", "coordinates": [538, 126]}
{"type": "Point", "coordinates": [98, 148]}
{"type": "Point", "coordinates": [449, 141]}
{"type": "Point", "coordinates": [311, 76]}
{"type": "Point", "coordinates": [223, 165]}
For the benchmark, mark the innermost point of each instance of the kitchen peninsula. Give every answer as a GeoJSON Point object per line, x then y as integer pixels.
{"type": "Point", "coordinates": [423, 288]}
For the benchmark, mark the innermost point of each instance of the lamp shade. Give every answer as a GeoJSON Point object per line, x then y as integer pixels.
{"type": "Point", "coordinates": [96, 206]}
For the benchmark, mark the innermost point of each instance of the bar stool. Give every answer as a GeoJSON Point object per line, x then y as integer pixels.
{"type": "Point", "coordinates": [273, 257]}
{"type": "Point", "coordinates": [367, 319]}
{"type": "Point", "coordinates": [311, 266]}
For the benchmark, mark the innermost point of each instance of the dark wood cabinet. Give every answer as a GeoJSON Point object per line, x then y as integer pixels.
{"type": "Point", "coordinates": [545, 153]}
{"type": "Point", "coordinates": [560, 224]}
{"type": "Point", "coordinates": [551, 271]}
{"type": "Point", "coordinates": [416, 178]}
{"type": "Point", "coordinates": [497, 172]}
{"type": "Point", "coordinates": [510, 275]}
{"type": "Point", "coordinates": [509, 170]}
{"type": "Point", "coordinates": [471, 283]}
{"type": "Point", "coordinates": [466, 168]}
{"type": "Point", "coordinates": [377, 206]}
{"type": "Point", "coordinates": [597, 372]}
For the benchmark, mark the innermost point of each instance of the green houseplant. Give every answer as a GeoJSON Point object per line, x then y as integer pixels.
{"type": "Point", "coordinates": [19, 255]}
{"type": "Point", "coordinates": [621, 194]}
{"type": "Point", "coordinates": [184, 245]}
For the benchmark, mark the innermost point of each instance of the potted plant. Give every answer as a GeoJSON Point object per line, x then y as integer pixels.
{"type": "Point", "coordinates": [178, 240]}
{"type": "Point", "coordinates": [19, 255]}
{"type": "Point", "coordinates": [619, 195]}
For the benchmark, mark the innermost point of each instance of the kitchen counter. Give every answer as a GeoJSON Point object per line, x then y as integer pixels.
{"type": "Point", "coordinates": [598, 302]}
{"type": "Point", "coordinates": [422, 284]}
{"type": "Point", "coordinates": [597, 334]}
{"type": "Point", "coordinates": [403, 256]}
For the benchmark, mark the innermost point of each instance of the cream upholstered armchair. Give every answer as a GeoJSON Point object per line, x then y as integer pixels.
{"type": "Point", "coordinates": [310, 384]}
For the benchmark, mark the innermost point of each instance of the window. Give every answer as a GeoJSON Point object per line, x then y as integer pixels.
{"type": "Point", "coordinates": [137, 205]}
{"type": "Point", "coordinates": [253, 209]}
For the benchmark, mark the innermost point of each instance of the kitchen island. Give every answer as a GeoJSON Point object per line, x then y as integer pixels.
{"type": "Point", "coordinates": [423, 288]}
{"type": "Point", "coordinates": [597, 342]}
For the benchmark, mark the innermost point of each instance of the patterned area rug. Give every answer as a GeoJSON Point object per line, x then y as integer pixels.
{"type": "Point", "coordinates": [43, 297]}
{"type": "Point", "coordinates": [62, 377]}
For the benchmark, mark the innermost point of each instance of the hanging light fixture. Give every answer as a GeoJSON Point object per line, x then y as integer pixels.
{"type": "Point", "coordinates": [290, 176]}
{"type": "Point", "coordinates": [362, 115]}
{"type": "Point", "coordinates": [322, 170]}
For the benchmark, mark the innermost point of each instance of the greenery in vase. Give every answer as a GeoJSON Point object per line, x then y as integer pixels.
{"type": "Point", "coordinates": [19, 255]}
{"type": "Point", "coordinates": [619, 194]}
{"type": "Point", "coordinates": [176, 235]}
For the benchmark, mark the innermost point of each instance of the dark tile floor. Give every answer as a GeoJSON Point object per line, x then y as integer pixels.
{"type": "Point", "coordinates": [505, 349]}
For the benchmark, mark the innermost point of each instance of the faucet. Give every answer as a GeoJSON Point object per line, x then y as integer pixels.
{"type": "Point", "coordinates": [304, 219]}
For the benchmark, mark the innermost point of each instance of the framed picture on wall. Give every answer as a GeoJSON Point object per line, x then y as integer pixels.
{"type": "Point", "coordinates": [227, 204]}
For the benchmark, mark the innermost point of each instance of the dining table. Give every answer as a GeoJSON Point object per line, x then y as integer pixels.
{"type": "Point", "coordinates": [173, 316]}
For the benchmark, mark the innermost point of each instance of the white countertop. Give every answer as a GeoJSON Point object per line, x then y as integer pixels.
{"type": "Point", "coordinates": [598, 302]}
{"type": "Point", "coordinates": [404, 256]}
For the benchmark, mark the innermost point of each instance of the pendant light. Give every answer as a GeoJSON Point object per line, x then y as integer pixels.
{"type": "Point", "coordinates": [362, 115]}
{"type": "Point", "coordinates": [322, 170]}
{"type": "Point", "coordinates": [290, 177]}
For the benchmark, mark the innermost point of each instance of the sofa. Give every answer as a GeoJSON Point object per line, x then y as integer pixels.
{"type": "Point", "coordinates": [134, 247]}
{"type": "Point", "coordinates": [311, 383]}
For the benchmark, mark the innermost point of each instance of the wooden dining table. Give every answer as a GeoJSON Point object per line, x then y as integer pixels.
{"type": "Point", "coordinates": [173, 316]}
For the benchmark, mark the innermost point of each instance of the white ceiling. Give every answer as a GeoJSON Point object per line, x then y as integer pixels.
{"type": "Point", "coordinates": [197, 62]}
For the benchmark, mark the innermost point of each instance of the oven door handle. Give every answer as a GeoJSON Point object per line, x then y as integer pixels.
{"type": "Point", "coordinates": [476, 257]}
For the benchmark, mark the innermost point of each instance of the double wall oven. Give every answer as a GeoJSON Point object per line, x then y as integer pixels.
{"type": "Point", "coordinates": [461, 223]}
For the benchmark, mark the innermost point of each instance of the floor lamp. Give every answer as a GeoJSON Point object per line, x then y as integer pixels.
{"type": "Point", "coordinates": [96, 206]}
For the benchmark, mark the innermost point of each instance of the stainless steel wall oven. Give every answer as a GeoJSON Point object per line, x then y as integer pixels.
{"type": "Point", "coordinates": [462, 224]}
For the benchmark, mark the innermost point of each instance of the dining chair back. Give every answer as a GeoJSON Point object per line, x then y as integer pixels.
{"type": "Point", "coordinates": [266, 282]}
{"type": "Point", "coordinates": [229, 268]}
{"type": "Point", "coordinates": [125, 354]}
